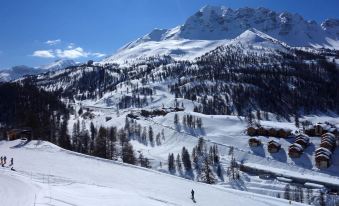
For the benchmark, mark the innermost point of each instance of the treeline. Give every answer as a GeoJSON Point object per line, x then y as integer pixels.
{"type": "Point", "coordinates": [113, 143]}
{"type": "Point", "coordinates": [189, 120]}
{"type": "Point", "coordinates": [26, 106]}
{"type": "Point", "coordinates": [227, 81]}
{"type": "Point", "coordinates": [203, 161]}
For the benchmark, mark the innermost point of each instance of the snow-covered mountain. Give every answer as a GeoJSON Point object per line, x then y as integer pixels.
{"type": "Point", "coordinates": [58, 64]}
{"type": "Point", "coordinates": [17, 72]}
{"type": "Point", "coordinates": [22, 70]}
{"type": "Point", "coordinates": [213, 26]}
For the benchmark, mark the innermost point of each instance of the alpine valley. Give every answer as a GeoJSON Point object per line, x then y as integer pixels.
{"type": "Point", "coordinates": [240, 105]}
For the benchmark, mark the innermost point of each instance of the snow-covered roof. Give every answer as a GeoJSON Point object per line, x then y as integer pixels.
{"type": "Point", "coordinates": [303, 137]}
{"type": "Point", "coordinates": [328, 135]}
{"type": "Point", "coordinates": [302, 140]}
{"type": "Point", "coordinates": [314, 185]}
{"type": "Point", "coordinates": [275, 143]}
{"type": "Point", "coordinates": [327, 141]}
{"type": "Point", "coordinates": [323, 155]}
{"type": "Point", "coordinates": [323, 149]}
{"type": "Point", "coordinates": [297, 147]}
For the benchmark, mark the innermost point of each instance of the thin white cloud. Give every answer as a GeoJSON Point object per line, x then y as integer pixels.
{"type": "Point", "coordinates": [43, 54]}
{"type": "Point", "coordinates": [53, 42]}
{"type": "Point", "coordinates": [71, 52]}
{"type": "Point", "coordinates": [98, 54]}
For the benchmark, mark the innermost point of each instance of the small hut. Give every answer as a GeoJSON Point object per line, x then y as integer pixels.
{"type": "Point", "coordinates": [322, 150]}
{"type": "Point", "coordinates": [283, 133]}
{"type": "Point", "coordinates": [251, 131]}
{"type": "Point", "coordinates": [272, 132]}
{"type": "Point", "coordinates": [318, 129]}
{"type": "Point", "coordinates": [262, 131]}
{"type": "Point", "coordinates": [254, 142]}
{"type": "Point", "coordinates": [328, 144]}
{"type": "Point", "coordinates": [295, 150]}
{"type": "Point", "coordinates": [303, 140]}
{"type": "Point", "coordinates": [273, 146]}
{"type": "Point", "coordinates": [19, 134]}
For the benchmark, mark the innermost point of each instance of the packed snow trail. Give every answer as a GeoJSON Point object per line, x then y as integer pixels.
{"type": "Point", "coordinates": [69, 178]}
{"type": "Point", "coordinates": [16, 191]}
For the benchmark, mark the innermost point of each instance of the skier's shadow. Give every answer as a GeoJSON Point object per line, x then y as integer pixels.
{"type": "Point", "coordinates": [193, 199]}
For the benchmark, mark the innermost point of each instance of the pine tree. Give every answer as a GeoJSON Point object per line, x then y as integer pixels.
{"type": "Point", "coordinates": [176, 119]}
{"type": "Point", "coordinates": [150, 135]}
{"type": "Point", "coordinates": [100, 143]}
{"type": "Point", "coordinates": [128, 153]}
{"type": "Point", "coordinates": [206, 174]}
{"type": "Point", "coordinates": [64, 140]}
{"type": "Point", "coordinates": [171, 165]}
{"type": "Point", "coordinates": [287, 192]}
{"type": "Point", "coordinates": [219, 171]}
{"type": "Point", "coordinates": [186, 160]}
{"type": "Point", "coordinates": [157, 139]}
{"type": "Point", "coordinates": [322, 201]}
{"type": "Point", "coordinates": [179, 165]}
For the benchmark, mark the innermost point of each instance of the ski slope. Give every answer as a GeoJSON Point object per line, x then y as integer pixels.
{"type": "Point", "coordinates": [48, 175]}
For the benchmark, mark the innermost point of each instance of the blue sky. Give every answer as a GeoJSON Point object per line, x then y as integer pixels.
{"type": "Point", "coordinates": [35, 32]}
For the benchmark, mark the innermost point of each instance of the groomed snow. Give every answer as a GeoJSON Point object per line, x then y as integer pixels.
{"type": "Point", "coordinates": [48, 175]}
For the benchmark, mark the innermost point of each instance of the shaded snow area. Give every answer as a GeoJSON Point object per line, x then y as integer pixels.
{"type": "Point", "coordinates": [48, 175]}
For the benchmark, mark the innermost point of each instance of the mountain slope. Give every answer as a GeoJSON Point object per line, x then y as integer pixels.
{"type": "Point", "coordinates": [59, 177]}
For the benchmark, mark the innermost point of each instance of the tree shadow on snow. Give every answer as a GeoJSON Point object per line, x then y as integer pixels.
{"type": "Point", "coordinates": [310, 149]}
{"type": "Point", "coordinates": [303, 161]}
{"type": "Point", "coordinates": [21, 144]}
{"type": "Point", "coordinates": [259, 150]}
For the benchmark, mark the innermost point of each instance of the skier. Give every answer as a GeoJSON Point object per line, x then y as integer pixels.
{"type": "Point", "coordinates": [2, 163]}
{"type": "Point", "coordinates": [11, 161]}
{"type": "Point", "coordinates": [5, 158]}
{"type": "Point", "coordinates": [192, 193]}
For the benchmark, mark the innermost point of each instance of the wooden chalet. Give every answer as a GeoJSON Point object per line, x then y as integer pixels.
{"type": "Point", "coordinates": [19, 134]}
{"type": "Point", "coordinates": [329, 141]}
{"type": "Point", "coordinates": [272, 132]}
{"type": "Point", "coordinates": [321, 128]}
{"type": "Point", "coordinates": [326, 143]}
{"type": "Point", "coordinates": [302, 140]}
{"type": "Point", "coordinates": [262, 131]}
{"type": "Point", "coordinates": [295, 150]}
{"type": "Point", "coordinates": [322, 161]}
{"type": "Point", "coordinates": [254, 142]}
{"type": "Point", "coordinates": [269, 131]}
{"type": "Point", "coordinates": [283, 133]}
{"type": "Point", "coordinates": [252, 131]}
{"type": "Point", "coordinates": [273, 146]}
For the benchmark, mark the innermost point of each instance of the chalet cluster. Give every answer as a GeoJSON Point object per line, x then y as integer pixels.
{"type": "Point", "coordinates": [296, 149]}
{"type": "Point", "coordinates": [324, 153]}
{"type": "Point", "coordinates": [321, 128]}
{"type": "Point", "coordinates": [269, 131]}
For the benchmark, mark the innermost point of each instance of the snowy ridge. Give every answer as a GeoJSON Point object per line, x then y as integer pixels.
{"type": "Point", "coordinates": [213, 26]}
{"type": "Point", "coordinates": [17, 72]}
